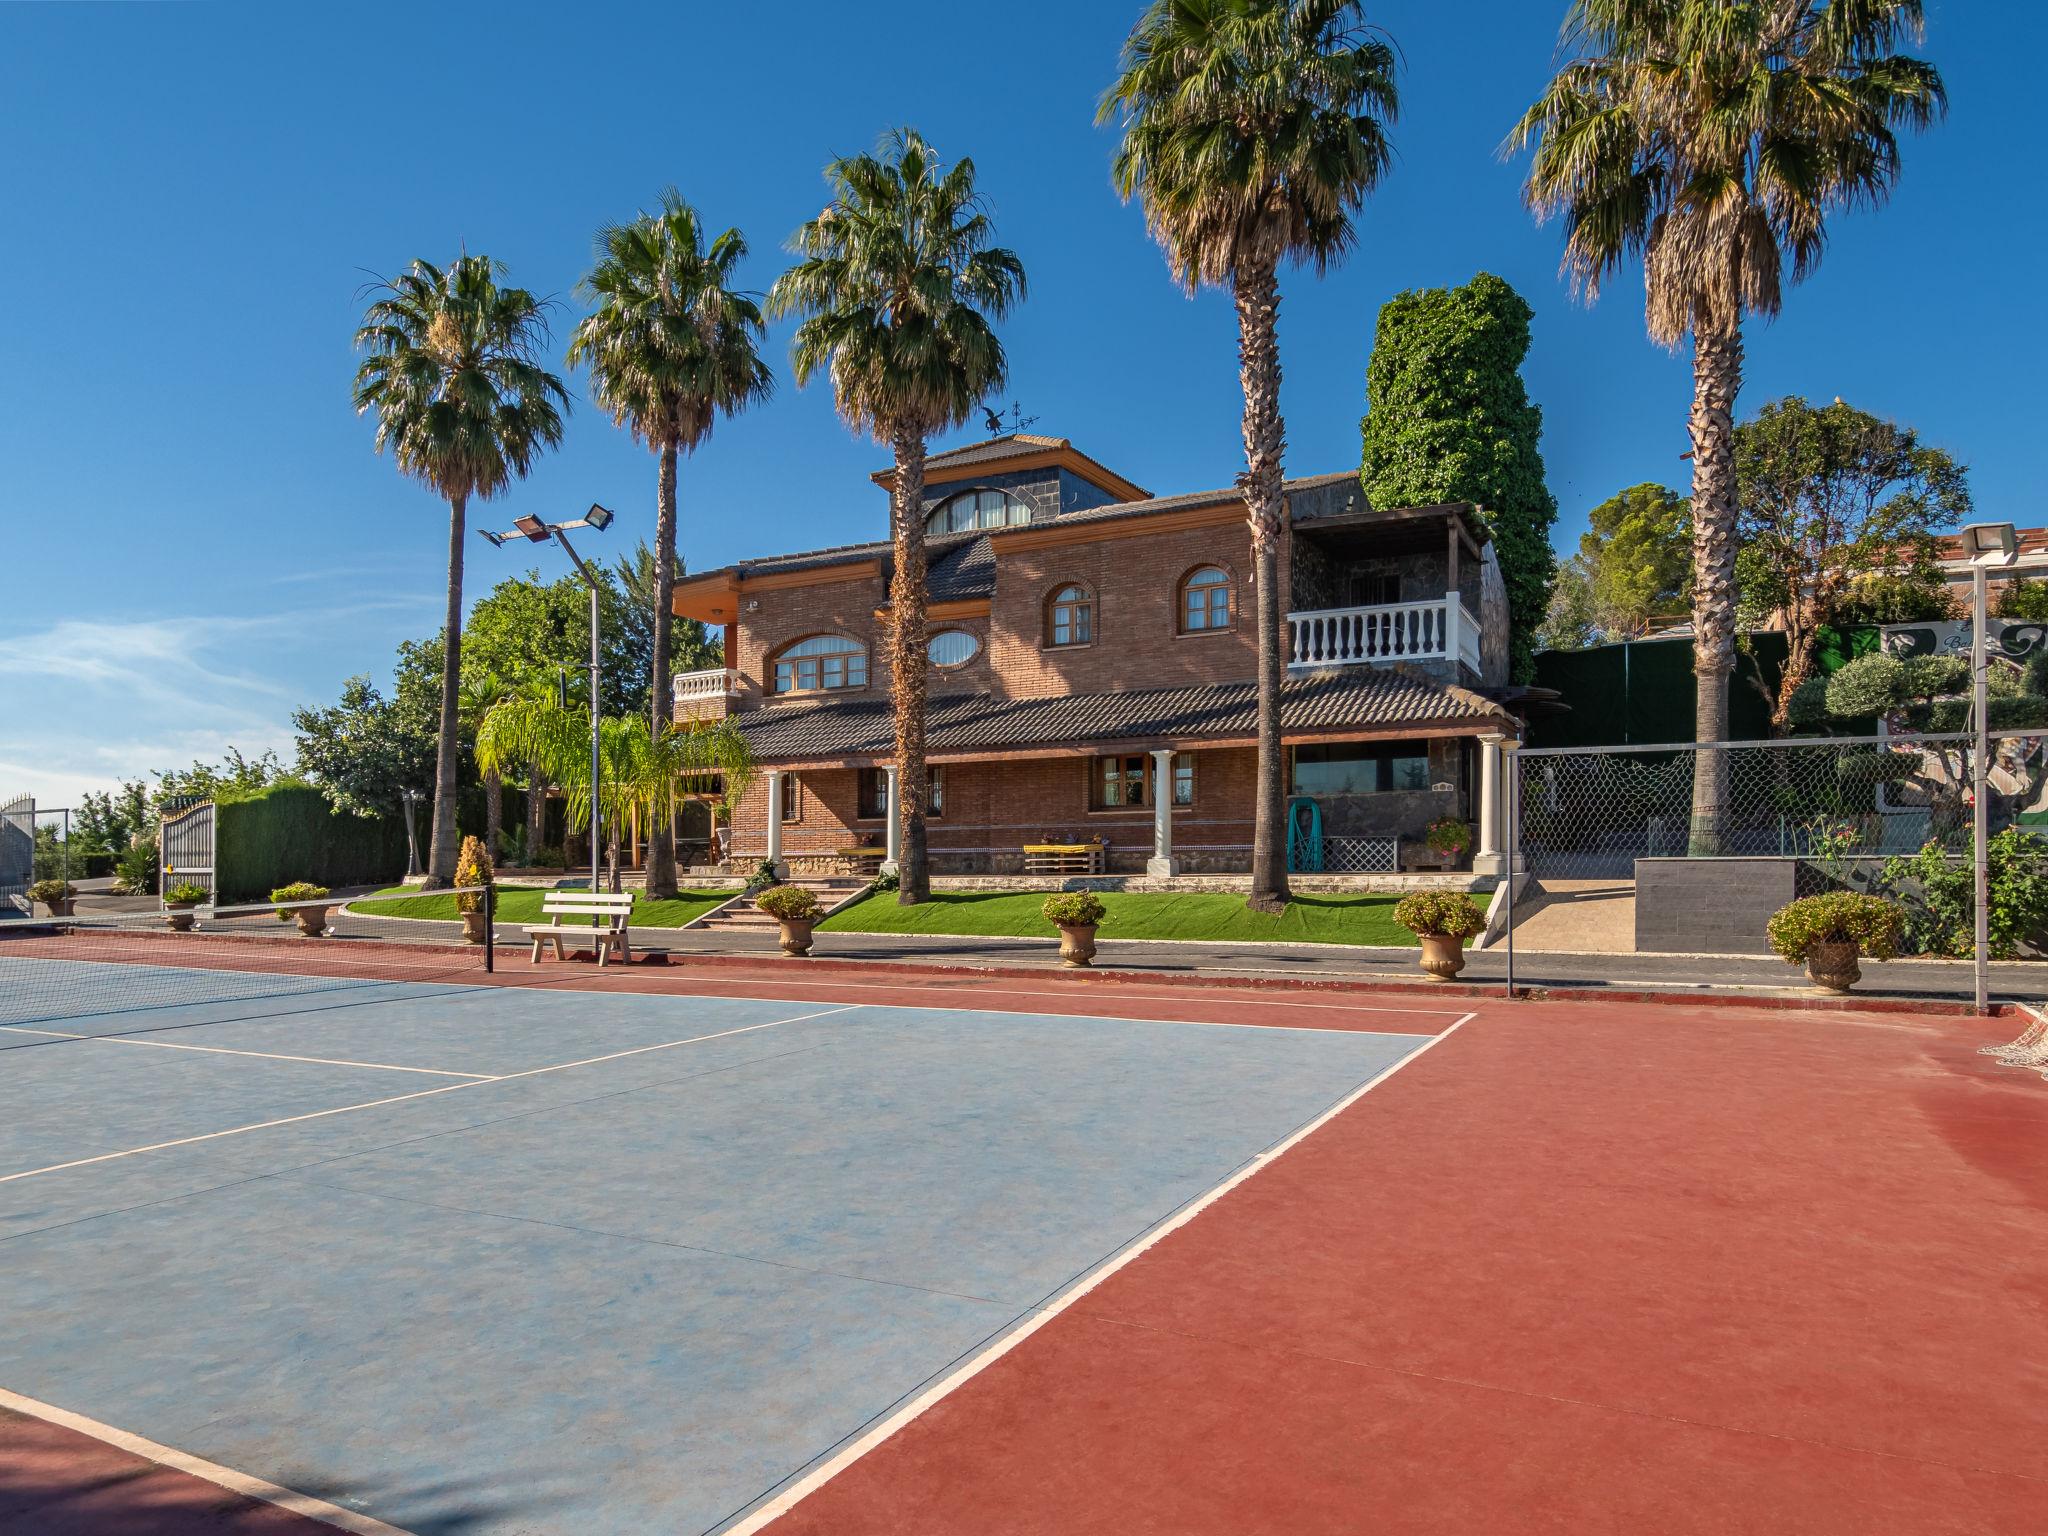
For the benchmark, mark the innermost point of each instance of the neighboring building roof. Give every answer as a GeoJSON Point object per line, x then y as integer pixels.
{"type": "Point", "coordinates": [2033, 553]}
{"type": "Point", "coordinates": [1324, 703]}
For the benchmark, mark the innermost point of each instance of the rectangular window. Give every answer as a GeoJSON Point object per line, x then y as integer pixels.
{"type": "Point", "coordinates": [1119, 782]}
{"type": "Point", "coordinates": [792, 798]}
{"type": "Point", "coordinates": [1370, 589]}
{"type": "Point", "coordinates": [1183, 779]}
{"type": "Point", "coordinates": [874, 794]}
{"type": "Point", "coordinates": [1361, 768]}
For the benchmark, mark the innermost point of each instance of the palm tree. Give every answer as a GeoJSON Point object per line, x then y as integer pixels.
{"type": "Point", "coordinates": [672, 346]}
{"type": "Point", "coordinates": [479, 695]}
{"type": "Point", "coordinates": [897, 286]}
{"type": "Point", "coordinates": [1712, 139]}
{"type": "Point", "coordinates": [1252, 131]}
{"type": "Point", "coordinates": [465, 407]}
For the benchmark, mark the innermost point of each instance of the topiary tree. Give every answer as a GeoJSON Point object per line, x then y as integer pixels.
{"type": "Point", "coordinates": [1449, 419]}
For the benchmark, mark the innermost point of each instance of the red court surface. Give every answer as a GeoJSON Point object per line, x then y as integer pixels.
{"type": "Point", "coordinates": [1575, 1268]}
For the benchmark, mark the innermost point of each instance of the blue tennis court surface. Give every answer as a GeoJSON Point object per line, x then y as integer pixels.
{"type": "Point", "coordinates": [503, 1260]}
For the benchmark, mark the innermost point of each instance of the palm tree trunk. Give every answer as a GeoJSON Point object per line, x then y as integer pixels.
{"type": "Point", "coordinates": [494, 813]}
{"type": "Point", "coordinates": [536, 813]}
{"type": "Point", "coordinates": [1717, 376]}
{"type": "Point", "coordinates": [907, 663]}
{"type": "Point", "coordinates": [1265, 436]}
{"type": "Point", "coordinates": [442, 849]}
{"type": "Point", "coordinates": [661, 847]}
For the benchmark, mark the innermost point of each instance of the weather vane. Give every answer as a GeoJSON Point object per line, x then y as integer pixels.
{"type": "Point", "coordinates": [1017, 422]}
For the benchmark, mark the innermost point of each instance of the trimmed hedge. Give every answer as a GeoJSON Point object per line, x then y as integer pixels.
{"type": "Point", "coordinates": [289, 832]}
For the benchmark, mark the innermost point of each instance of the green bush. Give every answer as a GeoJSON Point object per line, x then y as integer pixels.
{"type": "Point", "coordinates": [1448, 834]}
{"type": "Point", "coordinates": [1929, 677]}
{"type": "Point", "coordinates": [1876, 766]}
{"type": "Point", "coordinates": [1446, 914]}
{"type": "Point", "coordinates": [50, 892]}
{"type": "Point", "coordinates": [473, 868]}
{"type": "Point", "coordinates": [185, 894]}
{"type": "Point", "coordinates": [135, 872]}
{"type": "Point", "coordinates": [2025, 600]}
{"type": "Point", "coordinates": [1074, 909]}
{"type": "Point", "coordinates": [1869, 685]}
{"type": "Point", "coordinates": [1807, 709]}
{"type": "Point", "coordinates": [1939, 896]}
{"type": "Point", "coordinates": [790, 903]}
{"type": "Point", "coordinates": [290, 832]}
{"type": "Point", "coordinates": [2002, 679]}
{"type": "Point", "coordinates": [888, 881]}
{"type": "Point", "coordinates": [2026, 713]}
{"type": "Point", "coordinates": [298, 890]}
{"type": "Point", "coordinates": [1871, 923]}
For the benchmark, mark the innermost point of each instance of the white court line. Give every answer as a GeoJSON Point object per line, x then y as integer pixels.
{"type": "Point", "coordinates": [224, 1050]}
{"type": "Point", "coordinates": [424, 1093]}
{"type": "Point", "coordinates": [818, 1476]}
{"type": "Point", "coordinates": [226, 1477]}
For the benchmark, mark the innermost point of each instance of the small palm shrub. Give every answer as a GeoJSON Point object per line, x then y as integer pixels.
{"type": "Point", "coordinates": [790, 904]}
{"type": "Point", "coordinates": [472, 868]}
{"type": "Point", "coordinates": [1442, 914]}
{"type": "Point", "coordinates": [891, 881]}
{"type": "Point", "coordinates": [185, 894]}
{"type": "Point", "coordinates": [1871, 923]}
{"type": "Point", "coordinates": [1074, 909]}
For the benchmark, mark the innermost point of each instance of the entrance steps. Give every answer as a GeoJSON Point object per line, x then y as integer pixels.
{"type": "Point", "coordinates": [744, 917]}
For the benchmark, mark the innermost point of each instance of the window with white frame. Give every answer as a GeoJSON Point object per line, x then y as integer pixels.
{"type": "Point", "coordinates": [976, 509]}
{"type": "Point", "coordinates": [953, 647]}
{"type": "Point", "coordinates": [823, 661]}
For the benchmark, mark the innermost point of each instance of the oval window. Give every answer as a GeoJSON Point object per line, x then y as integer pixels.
{"type": "Point", "coordinates": [953, 648]}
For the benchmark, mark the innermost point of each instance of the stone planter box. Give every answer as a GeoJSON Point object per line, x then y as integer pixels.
{"type": "Point", "coordinates": [1711, 906]}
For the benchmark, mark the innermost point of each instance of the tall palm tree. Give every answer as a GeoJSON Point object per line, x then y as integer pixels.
{"type": "Point", "coordinates": [671, 347]}
{"type": "Point", "coordinates": [898, 285]}
{"type": "Point", "coordinates": [1712, 138]}
{"type": "Point", "coordinates": [465, 407]}
{"type": "Point", "coordinates": [479, 695]}
{"type": "Point", "coordinates": [1252, 131]}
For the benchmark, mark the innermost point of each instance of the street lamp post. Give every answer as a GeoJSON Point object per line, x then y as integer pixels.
{"type": "Point", "coordinates": [534, 530]}
{"type": "Point", "coordinates": [1987, 546]}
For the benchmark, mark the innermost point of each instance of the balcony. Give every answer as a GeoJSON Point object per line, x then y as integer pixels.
{"type": "Point", "coordinates": [1442, 629]}
{"type": "Point", "coordinates": [711, 683]}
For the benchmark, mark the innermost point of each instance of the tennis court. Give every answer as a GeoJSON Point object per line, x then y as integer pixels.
{"type": "Point", "coordinates": [462, 1252]}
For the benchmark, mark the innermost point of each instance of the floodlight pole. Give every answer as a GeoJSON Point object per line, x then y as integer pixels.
{"type": "Point", "coordinates": [1980, 778]}
{"type": "Point", "coordinates": [596, 717]}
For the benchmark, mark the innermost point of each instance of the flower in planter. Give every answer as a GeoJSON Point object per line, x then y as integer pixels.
{"type": "Point", "coordinates": [473, 868]}
{"type": "Point", "coordinates": [1450, 835]}
{"type": "Point", "coordinates": [50, 892]}
{"type": "Point", "coordinates": [1074, 909]}
{"type": "Point", "coordinates": [1442, 914]}
{"type": "Point", "coordinates": [790, 904]}
{"type": "Point", "coordinates": [1871, 923]}
{"type": "Point", "coordinates": [185, 894]}
{"type": "Point", "coordinates": [299, 890]}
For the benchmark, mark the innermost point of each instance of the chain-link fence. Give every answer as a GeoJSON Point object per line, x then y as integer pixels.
{"type": "Point", "coordinates": [1688, 850]}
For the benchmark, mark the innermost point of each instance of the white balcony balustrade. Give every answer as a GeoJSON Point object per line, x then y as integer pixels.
{"type": "Point", "coordinates": [711, 683]}
{"type": "Point", "coordinates": [1442, 629]}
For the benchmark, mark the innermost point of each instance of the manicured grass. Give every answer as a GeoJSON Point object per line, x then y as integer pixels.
{"type": "Point", "coordinates": [521, 904]}
{"type": "Point", "coordinates": [1136, 915]}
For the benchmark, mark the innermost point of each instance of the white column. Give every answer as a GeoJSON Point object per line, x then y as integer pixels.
{"type": "Point", "coordinates": [1162, 865]}
{"type": "Point", "coordinates": [775, 821]}
{"type": "Point", "coordinates": [1454, 642]}
{"type": "Point", "coordinates": [894, 818]}
{"type": "Point", "coordinates": [1488, 859]}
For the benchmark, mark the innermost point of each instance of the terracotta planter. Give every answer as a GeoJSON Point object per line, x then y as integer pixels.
{"type": "Point", "coordinates": [473, 927]}
{"type": "Point", "coordinates": [1443, 955]}
{"type": "Point", "coordinates": [58, 908]}
{"type": "Point", "coordinates": [1832, 965]}
{"type": "Point", "coordinates": [1077, 943]}
{"type": "Point", "coordinates": [180, 917]}
{"type": "Point", "coordinates": [796, 934]}
{"type": "Point", "coordinates": [312, 921]}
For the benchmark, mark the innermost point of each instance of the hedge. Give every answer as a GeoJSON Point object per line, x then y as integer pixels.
{"type": "Point", "coordinates": [289, 832]}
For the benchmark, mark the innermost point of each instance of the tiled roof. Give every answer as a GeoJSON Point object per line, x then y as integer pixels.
{"type": "Point", "coordinates": [1005, 447]}
{"type": "Point", "coordinates": [1191, 499]}
{"type": "Point", "coordinates": [968, 569]}
{"type": "Point", "coordinates": [1367, 699]}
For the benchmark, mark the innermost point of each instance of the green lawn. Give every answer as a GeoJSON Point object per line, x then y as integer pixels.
{"type": "Point", "coordinates": [521, 904]}
{"type": "Point", "coordinates": [1136, 915]}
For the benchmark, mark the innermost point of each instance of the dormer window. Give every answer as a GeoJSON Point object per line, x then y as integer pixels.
{"type": "Point", "coordinates": [823, 661]}
{"type": "Point", "coordinates": [976, 509]}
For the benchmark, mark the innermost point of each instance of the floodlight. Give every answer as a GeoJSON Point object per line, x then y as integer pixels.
{"type": "Point", "coordinates": [532, 527]}
{"type": "Point", "coordinates": [1990, 544]}
{"type": "Point", "coordinates": [598, 517]}
{"type": "Point", "coordinates": [496, 538]}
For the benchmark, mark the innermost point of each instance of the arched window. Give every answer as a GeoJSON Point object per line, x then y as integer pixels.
{"type": "Point", "coordinates": [953, 647]}
{"type": "Point", "coordinates": [1205, 600]}
{"type": "Point", "coordinates": [976, 509]}
{"type": "Point", "coordinates": [1070, 617]}
{"type": "Point", "coordinates": [823, 661]}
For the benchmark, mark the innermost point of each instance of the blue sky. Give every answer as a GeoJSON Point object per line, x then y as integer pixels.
{"type": "Point", "coordinates": [195, 536]}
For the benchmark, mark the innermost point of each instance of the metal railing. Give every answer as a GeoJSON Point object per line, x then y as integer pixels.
{"type": "Point", "coordinates": [1441, 629]}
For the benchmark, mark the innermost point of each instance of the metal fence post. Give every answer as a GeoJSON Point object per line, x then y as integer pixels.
{"type": "Point", "coordinates": [490, 926]}
{"type": "Point", "coordinates": [1512, 765]}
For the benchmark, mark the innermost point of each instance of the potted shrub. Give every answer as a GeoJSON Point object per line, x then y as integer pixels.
{"type": "Point", "coordinates": [54, 894]}
{"type": "Point", "coordinates": [1830, 931]}
{"type": "Point", "coordinates": [473, 868]}
{"type": "Point", "coordinates": [312, 921]}
{"type": "Point", "coordinates": [1443, 920]}
{"type": "Point", "coordinates": [797, 911]}
{"type": "Point", "coordinates": [1448, 837]}
{"type": "Point", "coordinates": [1076, 914]}
{"type": "Point", "coordinates": [179, 901]}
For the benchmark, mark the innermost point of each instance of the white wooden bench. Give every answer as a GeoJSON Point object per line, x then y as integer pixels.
{"type": "Point", "coordinates": [607, 931]}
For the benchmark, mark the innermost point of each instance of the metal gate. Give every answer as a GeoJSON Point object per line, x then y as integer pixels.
{"type": "Point", "coordinates": [17, 854]}
{"type": "Point", "coordinates": [185, 846]}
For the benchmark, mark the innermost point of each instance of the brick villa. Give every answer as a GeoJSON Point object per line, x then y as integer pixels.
{"type": "Point", "coordinates": [1093, 671]}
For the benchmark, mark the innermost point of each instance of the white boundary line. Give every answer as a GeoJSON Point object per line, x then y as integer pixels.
{"type": "Point", "coordinates": [223, 1050]}
{"type": "Point", "coordinates": [818, 1476]}
{"type": "Point", "coordinates": [178, 1461]}
{"type": "Point", "coordinates": [424, 1093]}
{"type": "Point", "coordinates": [911, 983]}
